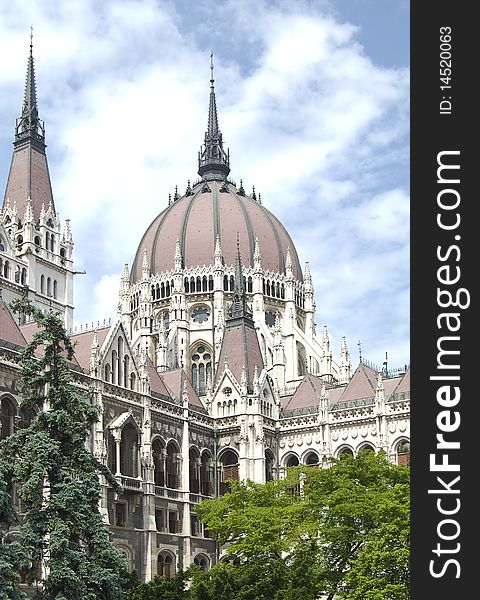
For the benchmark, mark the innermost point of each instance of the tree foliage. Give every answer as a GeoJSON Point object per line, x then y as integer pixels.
{"type": "Point", "coordinates": [340, 532]}
{"type": "Point", "coordinates": [61, 530]}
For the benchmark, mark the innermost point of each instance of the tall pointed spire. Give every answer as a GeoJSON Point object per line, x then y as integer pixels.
{"type": "Point", "coordinates": [213, 161]}
{"type": "Point", "coordinates": [29, 126]}
{"type": "Point", "coordinates": [28, 176]}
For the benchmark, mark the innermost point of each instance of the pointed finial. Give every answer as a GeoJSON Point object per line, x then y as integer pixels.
{"type": "Point", "coordinates": [360, 351]}
{"type": "Point", "coordinates": [31, 40]}
{"type": "Point", "coordinates": [145, 265]}
{"type": "Point", "coordinates": [241, 191]}
{"type": "Point", "coordinates": [213, 161]}
{"type": "Point", "coordinates": [257, 257]}
{"type": "Point", "coordinates": [176, 196]}
{"type": "Point", "coordinates": [254, 196]}
{"type": "Point", "coordinates": [188, 191]}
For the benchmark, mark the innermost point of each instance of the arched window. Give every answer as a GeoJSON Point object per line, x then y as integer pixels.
{"type": "Point", "coordinates": [201, 368]}
{"type": "Point", "coordinates": [49, 287]}
{"type": "Point", "coordinates": [204, 283]}
{"type": "Point", "coordinates": [6, 270]}
{"type": "Point", "coordinates": [210, 283]}
{"type": "Point", "coordinates": [345, 453]}
{"type": "Point", "coordinates": [129, 451]}
{"type": "Point", "coordinates": [403, 453]}
{"type": "Point", "coordinates": [367, 448]}
{"type": "Point", "coordinates": [225, 283]}
{"type": "Point", "coordinates": [268, 287]}
{"type": "Point", "coordinates": [165, 565]}
{"type": "Point", "coordinates": [269, 465]}
{"type": "Point", "coordinates": [19, 240]}
{"type": "Point", "coordinates": [198, 286]}
{"type": "Point", "coordinates": [42, 284]}
{"type": "Point", "coordinates": [249, 285]}
{"type": "Point", "coordinates": [2, 245]}
{"type": "Point", "coordinates": [201, 561]}
{"type": "Point", "coordinates": [206, 474]}
{"type": "Point", "coordinates": [133, 381]}
{"type": "Point", "coordinates": [17, 274]}
{"type": "Point", "coordinates": [114, 367]}
{"type": "Point", "coordinates": [7, 417]}
{"type": "Point", "coordinates": [186, 285]}
{"type": "Point", "coordinates": [107, 373]}
{"type": "Point", "coordinates": [162, 290]}
{"type": "Point", "coordinates": [172, 466]}
{"type": "Point", "coordinates": [24, 276]}
{"type": "Point", "coordinates": [292, 461]}
{"type": "Point", "coordinates": [158, 453]}
{"type": "Point", "coordinates": [54, 288]}
{"type": "Point", "coordinates": [229, 470]}
{"type": "Point", "coordinates": [312, 459]}
{"type": "Point", "coordinates": [194, 471]}
{"type": "Point", "coordinates": [232, 283]}
{"type": "Point", "coordinates": [126, 369]}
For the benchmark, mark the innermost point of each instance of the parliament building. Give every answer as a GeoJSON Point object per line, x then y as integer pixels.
{"type": "Point", "coordinates": [212, 370]}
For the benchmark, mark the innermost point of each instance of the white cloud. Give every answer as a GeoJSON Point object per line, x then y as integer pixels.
{"type": "Point", "coordinates": [318, 128]}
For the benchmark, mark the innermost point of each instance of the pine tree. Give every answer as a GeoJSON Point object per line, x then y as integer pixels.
{"type": "Point", "coordinates": [62, 533]}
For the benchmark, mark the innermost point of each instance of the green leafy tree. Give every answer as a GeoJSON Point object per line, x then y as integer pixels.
{"type": "Point", "coordinates": [61, 534]}
{"type": "Point", "coordinates": [340, 532]}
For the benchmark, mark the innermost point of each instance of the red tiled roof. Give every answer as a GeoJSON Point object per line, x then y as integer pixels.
{"type": "Point", "coordinates": [361, 385]}
{"type": "Point", "coordinates": [307, 394]}
{"type": "Point", "coordinates": [29, 176]}
{"type": "Point", "coordinates": [9, 330]}
{"type": "Point", "coordinates": [174, 381]}
{"type": "Point", "coordinates": [241, 348]}
{"type": "Point", "coordinates": [83, 345]}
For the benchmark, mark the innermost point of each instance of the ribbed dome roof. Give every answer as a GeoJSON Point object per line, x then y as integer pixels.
{"type": "Point", "coordinates": [197, 218]}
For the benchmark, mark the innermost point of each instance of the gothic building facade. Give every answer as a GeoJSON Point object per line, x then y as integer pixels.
{"type": "Point", "coordinates": [213, 368]}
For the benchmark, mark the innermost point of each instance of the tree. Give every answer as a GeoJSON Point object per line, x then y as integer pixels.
{"type": "Point", "coordinates": [61, 534]}
{"type": "Point", "coordinates": [341, 532]}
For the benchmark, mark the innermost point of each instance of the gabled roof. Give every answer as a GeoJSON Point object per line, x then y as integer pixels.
{"type": "Point", "coordinates": [9, 330]}
{"type": "Point", "coordinates": [83, 345]}
{"type": "Point", "coordinates": [404, 383]}
{"type": "Point", "coordinates": [361, 385]}
{"type": "Point", "coordinates": [307, 394]}
{"type": "Point", "coordinates": [174, 380]}
{"type": "Point", "coordinates": [157, 385]}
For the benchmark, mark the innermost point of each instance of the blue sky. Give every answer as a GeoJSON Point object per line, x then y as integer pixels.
{"type": "Point", "coordinates": [313, 101]}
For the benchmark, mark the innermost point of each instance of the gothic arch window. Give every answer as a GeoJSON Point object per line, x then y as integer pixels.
{"type": "Point", "coordinates": [269, 465]}
{"type": "Point", "coordinates": [23, 278]}
{"type": "Point", "coordinates": [204, 283]}
{"type": "Point", "coordinates": [158, 453]}
{"type": "Point", "coordinates": [167, 289]}
{"type": "Point", "coordinates": [114, 367]}
{"type": "Point", "coordinates": [126, 369]}
{"type": "Point", "coordinates": [162, 290]}
{"type": "Point", "coordinates": [198, 286]}
{"type": "Point", "coordinates": [129, 451]}
{"type": "Point", "coordinates": [186, 285]}
{"type": "Point", "coordinates": [268, 287]}
{"type": "Point", "coordinates": [6, 270]}
{"type": "Point", "coordinates": [403, 453]}
{"type": "Point", "coordinates": [201, 368]}
{"type": "Point", "coordinates": [210, 283]}
{"type": "Point", "coordinates": [206, 474]}
{"type": "Point", "coordinates": [165, 565]}
{"type": "Point", "coordinates": [194, 470]}
{"type": "Point", "coordinates": [225, 283]}
{"type": "Point", "coordinates": [292, 461]}
{"type": "Point", "coordinates": [133, 381]}
{"type": "Point", "coordinates": [366, 448]}
{"type": "Point", "coordinates": [345, 452]}
{"type": "Point", "coordinates": [19, 240]}
{"type": "Point", "coordinates": [17, 274]}
{"type": "Point", "coordinates": [63, 252]}
{"type": "Point", "coordinates": [2, 245]}
{"type": "Point", "coordinates": [228, 470]}
{"type": "Point", "coordinates": [7, 417]}
{"type": "Point", "coordinates": [49, 287]}
{"type": "Point", "coordinates": [173, 465]}
{"type": "Point", "coordinates": [120, 361]}
{"type": "Point", "coordinates": [312, 459]}
{"type": "Point", "coordinates": [232, 283]}
{"type": "Point", "coordinates": [202, 562]}
{"type": "Point", "coordinates": [55, 287]}
{"type": "Point", "coordinates": [50, 223]}
{"type": "Point", "coordinates": [282, 291]}
{"type": "Point", "coordinates": [249, 285]}
{"type": "Point", "coordinates": [1, 266]}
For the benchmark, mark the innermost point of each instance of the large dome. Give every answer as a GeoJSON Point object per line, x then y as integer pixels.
{"type": "Point", "coordinates": [209, 209]}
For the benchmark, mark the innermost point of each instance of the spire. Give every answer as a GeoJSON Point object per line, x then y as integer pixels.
{"type": "Point", "coordinates": [213, 161]}
{"type": "Point", "coordinates": [28, 176]}
{"type": "Point", "coordinates": [239, 307]}
{"type": "Point", "coordinates": [29, 126]}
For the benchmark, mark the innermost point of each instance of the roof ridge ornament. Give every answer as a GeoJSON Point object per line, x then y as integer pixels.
{"type": "Point", "coordinates": [213, 161]}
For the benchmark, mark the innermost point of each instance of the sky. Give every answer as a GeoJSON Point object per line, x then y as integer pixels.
{"type": "Point", "coordinates": [313, 101]}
